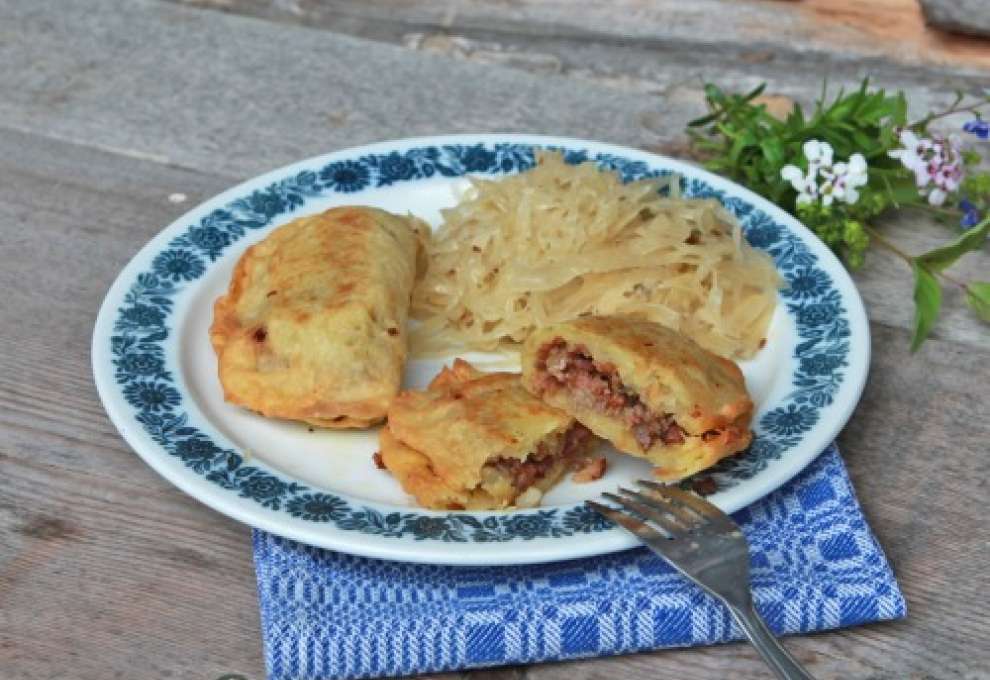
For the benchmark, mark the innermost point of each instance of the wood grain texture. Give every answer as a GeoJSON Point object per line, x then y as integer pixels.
{"type": "Point", "coordinates": [660, 47]}
{"type": "Point", "coordinates": [106, 571]}
{"type": "Point", "coordinates": [891, 30]}
{"type": "Point", "coordinates": [130, 78]}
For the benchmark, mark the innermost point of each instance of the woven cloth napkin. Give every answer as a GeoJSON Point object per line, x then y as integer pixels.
{"type": "Point", "coordinates": [815, 565]}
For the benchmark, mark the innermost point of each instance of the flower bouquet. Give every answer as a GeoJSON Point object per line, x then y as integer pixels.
{"type": "Point", "coordinates": [851, 160]}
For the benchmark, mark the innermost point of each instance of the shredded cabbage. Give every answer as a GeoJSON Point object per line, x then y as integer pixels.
{"type": "Point", "coordinates": [561, 241]}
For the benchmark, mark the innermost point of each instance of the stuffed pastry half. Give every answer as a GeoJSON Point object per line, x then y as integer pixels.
{"type": "Point", "coordinates": [649, 390]}
{"type": "Point", "coordinates": [479, 441]}
{"type": "Point", "coordinates": [313, 326]}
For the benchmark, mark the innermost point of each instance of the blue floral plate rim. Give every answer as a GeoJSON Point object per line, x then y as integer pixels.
{"type": "Point", "coordinates": [134, 350]}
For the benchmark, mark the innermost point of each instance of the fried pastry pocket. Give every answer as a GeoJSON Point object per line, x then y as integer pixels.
{"type": "Point", "coordinates": [649, 390]}
{"type": "Point", "coordinates": [479, 441]}
{"type": "Point", "coordinates": [313, 326]}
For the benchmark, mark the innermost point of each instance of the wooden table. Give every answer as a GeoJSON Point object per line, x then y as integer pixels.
{"type": "Point", "coordinates": [117, 117]}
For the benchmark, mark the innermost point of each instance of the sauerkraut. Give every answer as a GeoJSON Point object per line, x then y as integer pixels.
{"type": "Point", "coordinates": [561, 241]}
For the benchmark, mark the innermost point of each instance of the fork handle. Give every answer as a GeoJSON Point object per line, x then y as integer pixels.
{"type": "Point", "coordinates": [779, 659]}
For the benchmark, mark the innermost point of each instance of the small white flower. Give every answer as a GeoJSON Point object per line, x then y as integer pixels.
{"type": "Point", "coordinates": [845, 178]}
{"type": "Point", "coordinates": [838, 182]}
{"type": "Point", "coordinates": [911, 156]}
{"type": "Point", "coordinates": [857, 169]}
{"type": "Point", "coordinates": [804, 185]}
{"type": "Point", "coordinates": [908, 139]}
{"type": "Point", "coordinates": [818, 153]}
{"type": "Point", "coordinates": [833, 189]}
{"type": "Point", "coordinates": [794, 175]}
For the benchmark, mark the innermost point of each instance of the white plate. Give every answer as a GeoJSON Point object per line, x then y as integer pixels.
{"type": "Point", "coordinates": [156, 372]}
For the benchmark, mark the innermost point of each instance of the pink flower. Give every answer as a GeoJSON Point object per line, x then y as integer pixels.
{"type": "Point", "coordinates": [936, 163]}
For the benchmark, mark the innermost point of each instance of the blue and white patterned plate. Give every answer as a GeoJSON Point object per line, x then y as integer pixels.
{"type": "Point", "coordinates": [156, 372]}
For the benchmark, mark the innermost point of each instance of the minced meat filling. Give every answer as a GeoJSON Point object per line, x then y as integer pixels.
{"type": "Point", "coordinates": [596, 385]}
{"type": "Point", "coordinates": [525, 473]}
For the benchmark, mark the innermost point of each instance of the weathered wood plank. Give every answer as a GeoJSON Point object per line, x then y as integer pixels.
{"type": "Point", "coordinates": [94, 73]}
{"type": "Point", "coordinates": [91, 72]}
{"type": "Point", "coordinates": [87, 596]}
{"type": "Point", "coordinates": [170, 590]}
{"type": "Point", "coordinates": [831, 30]}
{"type": "Point", "coordinates": [668, 48]}
{"type": "Point", "coordinates": [664, 48]}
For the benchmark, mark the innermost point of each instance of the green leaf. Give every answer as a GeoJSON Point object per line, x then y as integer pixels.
{"type": "Point", "coordinates": [978, 298]}
{"type": "Point", "coordinates": [705, 120]}
{"type": "Point", "coordinates": [754, 93]}
{"type": "Point", "coordinates": [927, 300]}
{"type": "Point", "coordinates": [715, 99]}
{"type": "Point", "coordinates": [713, 92]}
{"type": "Point", "coordinates": [902, 191]}
{"type": "Point", "coordinates": [977, 184]}
{"type": "Point", "coordinates": [942, 258]}
{"type": "Point", "coordinates": [899, 113]}
{"type": "Point", "coordinates": [773, 151]}
{"type": "Point", "coordinates": [863, 141]}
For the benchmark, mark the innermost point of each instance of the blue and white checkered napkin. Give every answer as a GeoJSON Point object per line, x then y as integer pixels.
{"type": "Point", "coordinates": [816, 565]}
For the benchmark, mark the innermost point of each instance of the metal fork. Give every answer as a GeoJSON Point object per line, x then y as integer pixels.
{"type": "Point", "coordinates": [705, 545]}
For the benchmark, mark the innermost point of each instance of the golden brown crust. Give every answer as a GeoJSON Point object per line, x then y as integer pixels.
{"type": "Point", "coordinates": [438, 441]}
{"type": "Point", "coordinates": [705, 393]}
{"type": "Point", "coordinates": [417, 477]}
{"type": "Point", "coordinates": [312, 327]}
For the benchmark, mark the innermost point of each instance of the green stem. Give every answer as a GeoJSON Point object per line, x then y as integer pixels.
{"type": "Point", "coordinates": [892, 247]}
{"type": "Point", "coordinates": [882, 240]}
{"type": "Point", "coordinates": [954, 280]}
{"type": "Point", "coordinates": [955, 108]}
